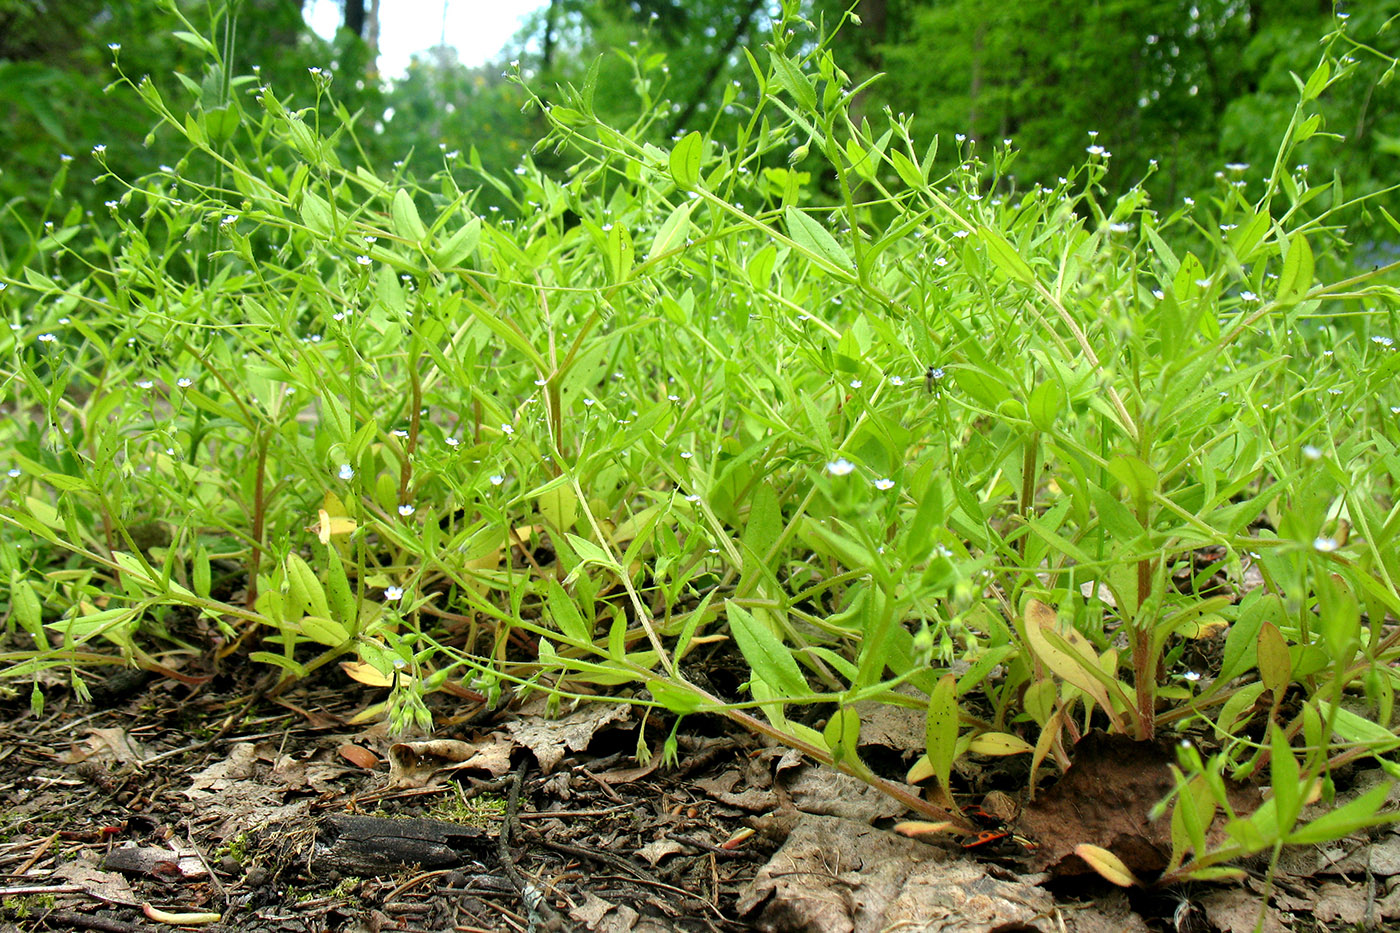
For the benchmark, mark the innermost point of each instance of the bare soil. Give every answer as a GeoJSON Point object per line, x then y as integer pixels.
{"type": "Point", "coordinates": [181, 802]}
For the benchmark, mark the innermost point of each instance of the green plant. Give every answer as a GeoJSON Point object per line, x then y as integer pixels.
{"type": "Point", "coordinates": [930, 422]}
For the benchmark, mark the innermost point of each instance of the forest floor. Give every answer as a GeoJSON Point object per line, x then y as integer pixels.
{"type": "Point", "coordinates": [170, 803]}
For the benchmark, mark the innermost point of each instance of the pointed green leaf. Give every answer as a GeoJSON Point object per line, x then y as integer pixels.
{"type": "Point", "coordinates": [941, 730]}
{"type": "Point", "coordinates": [816, 240]}
{"type": "Point", "coordinates": [765, 652]}
{"type": "Point", "coordinates": [685, 161]}
{"type": "Point", "coordinates": [673, 231]}
{"type": "Point", "coordinates": [407, 223]}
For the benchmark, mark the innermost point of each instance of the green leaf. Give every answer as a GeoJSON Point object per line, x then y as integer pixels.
{"type": "Point", "coordinates": [25, 605]}
{"type": "Point", "coordinates": [1358, 814]}
{"type": "Point", "coordinates": [324, 631]}
{"type": "Point", "coordinates": [339, 595]}
{"type": "Point", "coordinates": [200, 576]}
{"type": "Point", "coordinates": [1004, 256]}
{"type": "Point", "coordinates": [1046, 403]}
{"type": "Point", "coordinates": [842, 733]}
{"type": "Point", "coordinates": [199, 42]}
{"type": "Point", "coordinates": [816, 240]}
{"type": "Point", "coordinates": [407, 223]}
{"type": "Point", "coordinates": [765, 652]}
{"type": "Point", "coordinates": [1283, 778]}
{"type": "Point", "coordinates": [1275, 666]}
{"type": "Point", "coordinates": [459, 246]}
{"type": "Point", "coordinates": [1241, 644]}
{"type": "Point", "coordinates": [685, 161]}
{"type": "Point", "coordinates": [672, 232]}
{"type": "Point", "coordinates": [908, 171]}
{"type": "Point", "coordinates": [675, 698]}
{"type": "Point", "coordinates": [790, 78]}
{"type": "Point", "coordinates": [1317, 81]}
{"type": "Point", "coordinates": [316, 214]}
{"type": "Point", "coordinates": [304, 588]}
{"type": "Point", "coordinates": [1134, 473]}
{"type": "Point", "coordinates": [566, 616]}
{"type": "Point", "coordinates": [1296, 277]}
{"type": "Point", "coordinates": [941, 730]}
{"type": "Point", "coordinates": [620, 252]}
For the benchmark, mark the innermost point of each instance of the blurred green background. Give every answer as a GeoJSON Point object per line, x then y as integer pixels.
{"type": "Point", "coordinates": [1192, 84]}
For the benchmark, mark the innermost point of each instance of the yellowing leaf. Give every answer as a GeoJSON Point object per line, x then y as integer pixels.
{"type": "Point", "coordinates": [1205, 627]}
{"type": "Point", "coordinates": [1073, 662]}
{"type": "Point", "coordinates": [921, 770]}
{"type": "Point", "coordinates": [366, 674]}
{"type": "Point", "coordinates": [917, 828]}
{"type": "Point", "coordinates": [1000, 743]}
{"type": "Point", "coordinates": [1107, 864]}
{"type": "Point", "coordinates": [328, 525]}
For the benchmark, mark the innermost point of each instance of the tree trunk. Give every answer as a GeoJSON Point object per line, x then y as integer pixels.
{"type": "Point", "coordinates": [355, 17]}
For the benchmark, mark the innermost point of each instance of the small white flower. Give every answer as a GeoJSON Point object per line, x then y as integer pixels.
{"type": "Point", "coordinates": [507, 429]}
{"type": "Point", "coordinates": [184, 382]}
{"type": "Point", "coordinates": [497, 479]}
{"type": "Point", "coordinates": [686, 455]}
{"type": "Point", "coordinates": [99, 149]}
{"type": "Point", "coordinates": [840, 467]}
{"type": "Point", "coordinates": [693, 497]}
{"type": "Point", "coordinates": [884, 484]}
{"type": "Point", "coordinates": [590, 402]}
{"type": "Point", "coordinates": [1382, 341]}
{"type": "Point", "coordinates": [363, 260]}
{"type": "Point", "coordinates": [1191, 676]}
{"type": "Point", "coordinates": [1237, 166]}
{"type": "Point", "coordinates": [1121, 227]}
{"type": "Point", "coordinates": [14, 472]}
{"type": "Point", "coordinates": [1311, 452]}
{"type": "Point", "coordinates": [1248, 296]}
{"type": "Point", "coordinates": [856, 383]}
{"type": "Point", "coordinates": [393, 593]}
{"type": "Point", "coordinates": [114, 46]}
{"type": "Point", "coordinates": [399, 432]}
{"type": "Point", "coordinates": [1097, 150]}
{"type": "Point", "coordinates": [144, 383]}
{"type": "Point", "coordinates": [673, 398]}
{"type": "Point", "coordinates": [47, 338]}
{"type": "Point", "coordinates": [406, 510]}
{"type": "Point", "coordinates": [896, 380]}
{"type": "Point", "coordinates": [452, 442]}
{"type": "Point", "coordinates": [346, 471]}
{"type": "Point", "coordinates": [1324, 544]}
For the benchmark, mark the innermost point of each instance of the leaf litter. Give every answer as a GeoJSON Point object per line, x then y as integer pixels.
{"type": "Point", "coordinates": [129, 817]}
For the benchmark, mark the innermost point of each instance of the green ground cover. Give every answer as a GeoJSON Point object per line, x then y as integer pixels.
{"type": "Point", "coordinates": [930, 441]}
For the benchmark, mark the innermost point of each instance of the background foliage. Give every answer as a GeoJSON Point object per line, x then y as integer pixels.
{"type": "Point", "coordinates": [1192, 84]}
